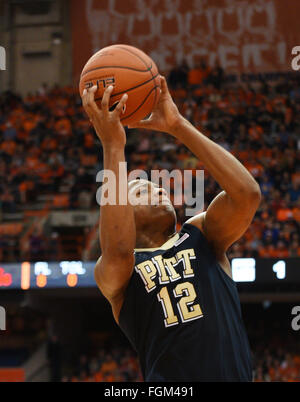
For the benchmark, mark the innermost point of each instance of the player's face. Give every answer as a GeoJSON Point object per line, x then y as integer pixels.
{"type": "Point", "coordinates": [148, 197]}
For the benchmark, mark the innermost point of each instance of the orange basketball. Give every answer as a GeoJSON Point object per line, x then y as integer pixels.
{"type": "Point", "coordinates": [130, 71]}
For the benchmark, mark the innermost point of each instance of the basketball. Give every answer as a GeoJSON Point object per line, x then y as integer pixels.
{"type": "Point", "coordinates": [130, 71]}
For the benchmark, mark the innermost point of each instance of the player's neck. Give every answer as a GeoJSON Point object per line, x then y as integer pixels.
{"type": "Point", "coordinates": [152, 240]}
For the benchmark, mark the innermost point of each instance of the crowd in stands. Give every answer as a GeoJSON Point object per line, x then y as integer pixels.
{"type": "Point", "coordinates": [273, 364]}
{"type": "Point", "coordinates": [278, 366]}
{"type": "Point", "coordinates": [276, 358]}
{"type": "Point", "coordinates": [274, 343]}
{"type": "Point", "coordinates": [47, 146]}
{"type": "Point", "coordinates": [115, 365]}
{"type": "Point", "coordinates": [24, 332]}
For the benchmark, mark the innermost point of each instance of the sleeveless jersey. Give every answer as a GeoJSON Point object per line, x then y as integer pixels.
{"type": "Point", "coordinates": [182, 314]}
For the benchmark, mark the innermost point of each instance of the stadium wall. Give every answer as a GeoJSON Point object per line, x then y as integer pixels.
{"type": "Point", "coordinates": [38, 46]}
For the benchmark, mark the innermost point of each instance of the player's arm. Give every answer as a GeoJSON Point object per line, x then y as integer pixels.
{"type": "Point", "coordinates": [231, 212]}
{"type": "Point", "coordinates": [116, 226]}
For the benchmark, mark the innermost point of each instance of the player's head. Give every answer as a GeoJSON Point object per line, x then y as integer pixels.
{"type": "Point", "coordinates": [153, 209]}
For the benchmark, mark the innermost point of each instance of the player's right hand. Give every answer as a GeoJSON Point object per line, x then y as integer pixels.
{"type": "Point", "coordinates": [165, 116]}
{"type": "Point", "coordinates": [107, 124]}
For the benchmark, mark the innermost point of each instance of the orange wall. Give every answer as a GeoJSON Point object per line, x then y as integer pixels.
{"type": "Point", "coordinates": [244, 36]}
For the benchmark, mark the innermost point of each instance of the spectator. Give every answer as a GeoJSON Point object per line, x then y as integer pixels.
{"type": "Point", "coordinates": [53, 247]}
{"type": "Point", "coordinates": [54, 358]}
{"type": "Point", "coordinates": [37, 246]}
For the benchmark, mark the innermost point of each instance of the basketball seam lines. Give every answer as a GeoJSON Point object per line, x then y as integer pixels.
{"type": "Point", "coordinates": [126, 68]}
{"type": "Point", "coordinates": [139, 57]}
{"type": "Point", "coordinates": [130, 89]}
{"type": "Point", "coordinates": [154, 88]}
{"type": "Point", "coordinates": [133, 69]}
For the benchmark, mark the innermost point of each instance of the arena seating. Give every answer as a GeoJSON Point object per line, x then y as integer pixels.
{"type": "Point", "coordinates": [49, 154]}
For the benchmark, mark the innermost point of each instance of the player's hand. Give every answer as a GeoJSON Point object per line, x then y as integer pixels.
{"type": "Point", "coordinates": [107, 124]}
{"type": "Point", "coordinates": [165, 116]}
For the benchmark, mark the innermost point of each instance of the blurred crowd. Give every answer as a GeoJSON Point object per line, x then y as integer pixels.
{"type": "Point", "coordinates": [275, 359]}
{"type": "Point", "coordinates": [48, 147]}
{"type": "Point", "coordinates": [115, 365]}
{"type": "Point", "coordinates": [278, 366]}
{"type": "Point", "coordinates": [259, 123]}
{"type": "Point", "coordinates": [275, 348]}
{"type": "Point", "coordinates": [25, 330]}
{"type": "Point", "coordinates": [122, 366]}
{"type": "Point", "coordinates": [274, 344]}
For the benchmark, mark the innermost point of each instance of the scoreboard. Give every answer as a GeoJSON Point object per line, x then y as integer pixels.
{"type": "Point", "coordinates": [70, 274]}
{"type": "Point", "coordinates": [41, 274]}
{"type": "Point", "coordinates": [266, 270]}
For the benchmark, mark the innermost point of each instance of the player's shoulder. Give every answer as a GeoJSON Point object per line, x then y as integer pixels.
{"type": "Point", "coordinates": [221, 257]}
{"type": "Point", "coordinates": [198, 221]}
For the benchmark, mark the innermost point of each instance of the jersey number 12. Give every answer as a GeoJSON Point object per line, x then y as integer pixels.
{"type": "Point", "coordinates": [187, 310]}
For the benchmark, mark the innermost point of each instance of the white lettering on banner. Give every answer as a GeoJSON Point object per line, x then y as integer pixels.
{"type": "Point", "coordinates": [166, 32]}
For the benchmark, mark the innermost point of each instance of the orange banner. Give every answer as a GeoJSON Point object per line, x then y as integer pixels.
{"type": "Point", "coordinates": [242, 35]}
{"type": "Point", "coordinates": [12, 375]}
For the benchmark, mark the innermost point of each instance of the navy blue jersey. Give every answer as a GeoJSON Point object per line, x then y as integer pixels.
{"type": "Point", "coordinates": [182, 314]}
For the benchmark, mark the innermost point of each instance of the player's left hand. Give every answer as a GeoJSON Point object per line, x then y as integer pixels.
{"type": "Point", "coordinates": [107, 123]}
{"type": "Point", "coordinates": [165, 116]}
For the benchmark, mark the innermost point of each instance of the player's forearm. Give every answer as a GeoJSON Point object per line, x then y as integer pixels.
{"type": "Point", "coordinates": [231, 175]}
{"type": "Point", "coordinates": [117, 226]}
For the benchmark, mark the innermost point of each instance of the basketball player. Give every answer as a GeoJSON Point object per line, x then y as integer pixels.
{"type": "Point", "coordinates": [172, 293]}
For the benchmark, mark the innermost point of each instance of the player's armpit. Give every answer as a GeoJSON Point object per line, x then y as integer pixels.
{"type": "Point", "coordinates": [112, 275]}
{"type": "Point", "coordinates": [222, 258]}
{"type": "Point", "coordinates": [226, 219]}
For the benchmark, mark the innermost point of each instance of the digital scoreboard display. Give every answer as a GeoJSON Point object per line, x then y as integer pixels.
{"type": "Point", "coordinates": [71, 274]}
{"type": "Point", "coordinates": [29, 275]}
{"type": "Point", "coordinates": [266, 270]}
